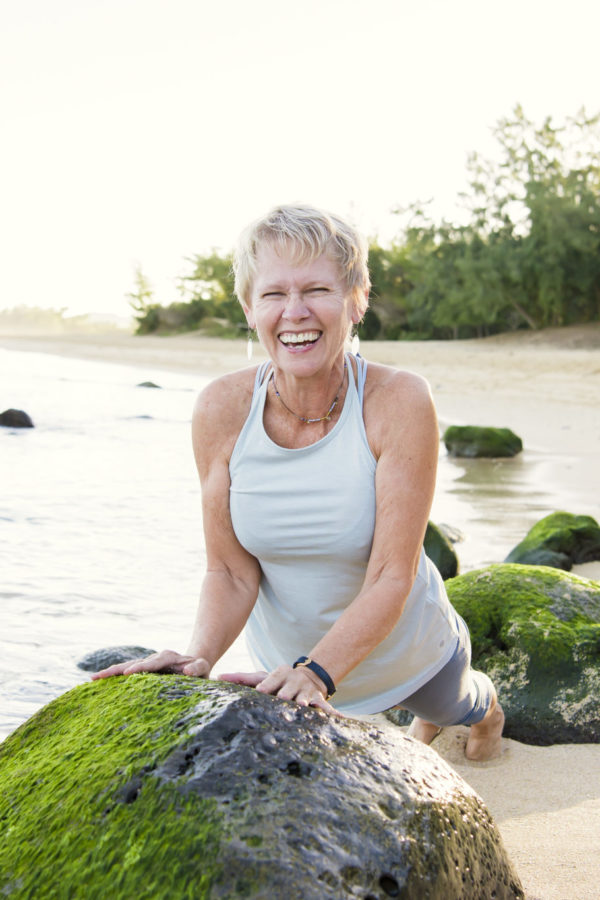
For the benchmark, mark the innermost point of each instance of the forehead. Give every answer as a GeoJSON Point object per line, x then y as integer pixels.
{"type": "Point", "coordinates": [290, 264]}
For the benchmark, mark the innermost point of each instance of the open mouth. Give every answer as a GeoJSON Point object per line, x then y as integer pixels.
{"type": "Point", "coordinates": [299, 338]}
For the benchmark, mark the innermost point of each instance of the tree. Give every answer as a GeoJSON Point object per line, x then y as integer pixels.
{"type": "Point", "coordinates": [212, 282]}
{"type": "Point", "coordinates": [146, 313]}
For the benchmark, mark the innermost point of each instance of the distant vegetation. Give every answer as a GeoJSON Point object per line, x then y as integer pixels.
{"type": "Point", "coordinates": [41, 320]}
{"type": "Point", "coordinates": [528, 256]}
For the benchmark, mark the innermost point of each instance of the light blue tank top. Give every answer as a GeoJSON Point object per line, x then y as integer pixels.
{"type": "Point", "coordinates": [308, 516]}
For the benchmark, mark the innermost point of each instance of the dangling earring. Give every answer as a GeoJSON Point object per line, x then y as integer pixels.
{"type": "Point", "coordinates": [249, 346]}
{"type": "Point", "coordinates": [355, 344]}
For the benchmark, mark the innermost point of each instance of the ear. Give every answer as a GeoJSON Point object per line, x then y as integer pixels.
{"type": "Point", "coordinates": [249, 316]}
{"type": "Point", "coordinates": [359, 306]}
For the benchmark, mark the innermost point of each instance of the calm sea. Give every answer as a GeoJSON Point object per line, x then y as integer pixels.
{"type": "Point", "coordinates": [100, 519]}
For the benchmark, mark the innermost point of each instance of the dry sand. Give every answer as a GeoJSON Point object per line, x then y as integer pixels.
{"type": "Point", "coordinates": [546, 387]}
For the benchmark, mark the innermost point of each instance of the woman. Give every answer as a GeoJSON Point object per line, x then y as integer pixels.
{"type": "Point", "coordinates": [317, 476]}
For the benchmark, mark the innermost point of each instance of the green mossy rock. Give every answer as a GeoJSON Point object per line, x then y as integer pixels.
{"type": "Point", "coordinates": [474, 441]}
{"type": "Point", "coordinates": [536, 632]}
{"type": "Point", "coordinates": [559, 540]}
{"type": "Point", "coordinates": [155, 787]}
{"type": "Point", "coordinates": [440, 551]}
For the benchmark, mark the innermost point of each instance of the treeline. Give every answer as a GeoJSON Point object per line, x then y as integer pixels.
{"type": "Point", "coordinates": [44, 320]}
{"type": "Point", "coordinates": [527, 256]}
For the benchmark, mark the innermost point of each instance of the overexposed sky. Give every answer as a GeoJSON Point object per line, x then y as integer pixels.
{"type": "Point", "coordinates": [144, 131]}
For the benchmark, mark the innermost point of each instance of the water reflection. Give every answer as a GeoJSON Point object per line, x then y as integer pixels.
{"type": "Point", "coordinates": [494, 502]}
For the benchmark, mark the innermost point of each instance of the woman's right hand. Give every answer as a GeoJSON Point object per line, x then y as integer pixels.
{"type": "Point", "coordinates": [168, 661]}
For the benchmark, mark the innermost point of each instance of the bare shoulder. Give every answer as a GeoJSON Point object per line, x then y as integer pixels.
{"type": "Point", "coordinates": [219, 415]}
{"type": "Point", "coordinates": [398, 406]}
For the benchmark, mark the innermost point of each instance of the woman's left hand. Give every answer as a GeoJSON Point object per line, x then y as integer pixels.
{"type": "Point", "coordinates": [299, 685]}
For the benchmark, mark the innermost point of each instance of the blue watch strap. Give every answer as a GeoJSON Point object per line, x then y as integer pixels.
{"type": "Point", "coordinates": [308, 663]}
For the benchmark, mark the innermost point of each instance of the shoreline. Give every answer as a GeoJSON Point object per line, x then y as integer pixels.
{"type": "Point", "coordinates": [546, 387]}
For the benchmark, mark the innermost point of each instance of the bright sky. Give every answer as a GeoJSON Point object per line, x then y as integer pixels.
{"type": "Point", "coordinates": [144, 131]}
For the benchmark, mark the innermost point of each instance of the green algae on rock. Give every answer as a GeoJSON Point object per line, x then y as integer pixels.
{"type": "Point", "coordinates": [163, 786]}
{"type": "Point", "coordinates": [536, 632]}
{"type": "Point", "coordinates": [440, 551]}
{"type": "Point", "coordinates": [559, 540]}
{"type": "Point", "coordinates": [69, 826]}
{"type": "Point", "coordinates": [477, 440]}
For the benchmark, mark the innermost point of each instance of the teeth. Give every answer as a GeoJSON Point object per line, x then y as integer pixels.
{"type": "Point", "coordinates": [300, 338]}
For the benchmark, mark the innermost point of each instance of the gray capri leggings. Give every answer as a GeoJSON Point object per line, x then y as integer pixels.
{"type": "Point", "coordinates": [457, 695]}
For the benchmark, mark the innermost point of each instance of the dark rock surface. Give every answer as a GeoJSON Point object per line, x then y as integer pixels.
{"type": "Point", "coordinates": [477, 441]}
{"type": "Point", "coordinates": [440, 551]}
{"type": "Point", "coordinates": [15, 418]}
{"type": "Point", "coordinates": [110, 656]}
{"type": "Point", "coordinates": [536, 632]}
{"type": "Point", "coordinates": [167, 787]}
{"type": "Point", "coordinates": [148, 384]}
{"type": "Point", "coordinates": [559, 540]}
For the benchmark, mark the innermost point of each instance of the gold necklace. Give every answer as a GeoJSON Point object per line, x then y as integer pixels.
{"type": "Point", "coordinates": [305, 419]}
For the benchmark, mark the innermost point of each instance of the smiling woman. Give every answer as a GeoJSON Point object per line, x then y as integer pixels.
{"type": "Point", "coordinates": [317, 476]}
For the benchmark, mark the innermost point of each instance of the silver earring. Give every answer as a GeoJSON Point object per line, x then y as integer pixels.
{"type": "Point", "coordinates": [249, 346]}
{"type": "Point", "coordinates": [355, 343]}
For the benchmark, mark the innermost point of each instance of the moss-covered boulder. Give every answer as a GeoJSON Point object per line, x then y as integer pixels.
{"type": "Point", "coordinates": [165, 787]}
{"type": "Point", "coordinates": [475, 440]}
{"type": "Point", "coordinates": [440, 551]}
{"type": "Point", "coordinates": [536, 632]}
{"type": "Point", "coordinates": [560, 540]}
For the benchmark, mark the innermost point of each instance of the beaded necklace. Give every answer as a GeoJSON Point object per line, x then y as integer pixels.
{"type": "Point", "coordinates": [305, 419]}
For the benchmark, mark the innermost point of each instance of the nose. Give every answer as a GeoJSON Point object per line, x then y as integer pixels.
{"type": "Point", "coordinates": [295, 306]}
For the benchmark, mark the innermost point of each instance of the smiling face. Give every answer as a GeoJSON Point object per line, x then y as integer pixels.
{"type": "Point", "coordinates": [302, 311]}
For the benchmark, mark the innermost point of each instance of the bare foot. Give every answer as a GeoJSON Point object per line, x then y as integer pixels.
{"type": "Point", "coordinates": [485, 738]}
{"type": "Point", "coordinates": [423, 731]}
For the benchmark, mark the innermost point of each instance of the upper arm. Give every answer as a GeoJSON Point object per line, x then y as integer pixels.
{"type": "Point", "coordinates": [218, 416]}
{"type": "Point", "coordinates": [405, 438]}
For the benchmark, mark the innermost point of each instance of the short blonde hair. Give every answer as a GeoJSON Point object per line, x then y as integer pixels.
{"type": "Point", "coordinates": [309, 233]}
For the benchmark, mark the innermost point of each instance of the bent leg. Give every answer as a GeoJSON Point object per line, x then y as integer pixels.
{"type": "Point", "coordinates": [458, 695]}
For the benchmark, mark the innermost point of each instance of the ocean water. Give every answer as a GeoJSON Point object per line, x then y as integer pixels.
{"type": "Point", "coordinates": [101, 528]}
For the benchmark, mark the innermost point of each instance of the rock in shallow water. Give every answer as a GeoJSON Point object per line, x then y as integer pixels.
{"type": "Point", "coordinates": [536, 631]}
{"type": "Point", "coordinates": [440, 551]}
{"type": "Point", "coordinates": [110, 656]}
{"type": "Point", "coordinates": [164, 786]}
{"type": "Point", "coordinates": [15, 418]}
{"type": "Point", "coordinates": [480, 441]}
{"type": "Point", "coordinates": [559, 540]}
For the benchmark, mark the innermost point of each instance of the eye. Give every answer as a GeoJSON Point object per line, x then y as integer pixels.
{"type": "Point", "coordinates": [319, 289]}
{"type": "Point", "coordinates": [273, 294]}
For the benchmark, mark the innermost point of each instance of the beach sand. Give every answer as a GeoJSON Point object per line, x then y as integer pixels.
{"type": "Point", "coordinates": [546, 387]}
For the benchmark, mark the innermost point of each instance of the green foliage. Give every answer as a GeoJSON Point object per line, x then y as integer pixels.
{"type": "Point", "coordinates": [528, 258]}
{"type": "Point", "coordinates": [208, 301]}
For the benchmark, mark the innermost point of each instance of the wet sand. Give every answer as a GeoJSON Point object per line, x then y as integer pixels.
{"type": "Point", "coordinates": [546, 387]}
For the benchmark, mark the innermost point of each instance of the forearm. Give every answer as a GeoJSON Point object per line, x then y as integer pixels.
{"type": "Point", "coordinates": [363, 625]}
{"type": "Point", "coordinates": [223, 609]}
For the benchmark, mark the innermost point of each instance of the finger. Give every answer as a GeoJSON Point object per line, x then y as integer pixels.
{"type": "Point", "coordinates": [298, 685]}
{"type": "Point", "coordinates": [198, 668]}
{"type": "Point", "coordinates": [165, 661]}
{"type": "Point", "coordinates": [276, 681]}
{"type": "Point", "coordinates": [320, 703]}
{"type": "Point", "coordinates": [117, 669]}
{"type": "Point", "coordinates": [251, 679]}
